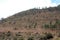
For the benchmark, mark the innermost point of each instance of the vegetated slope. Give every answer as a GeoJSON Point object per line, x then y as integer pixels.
{"type": "Point", "coordinates": [36, 20]}
{"type": "Point", "coordinates": [32, 24]}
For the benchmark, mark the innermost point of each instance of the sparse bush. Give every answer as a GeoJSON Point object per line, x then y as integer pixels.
{"type": "Point", "coordinates": [29, 26]}
{"type": "Point", "coordinates": [46, 36]}
{"type": "Point", "coordinates": [57, 21]}
{"type": "Point", "coordinates": [35, 24]}
{"type": "Point", "coordinates": [15, 28]}
{"type": "Point", "coordinates": [8, 34]}
{"type": "Point", "coordinates": [53, 26]}
{"type": "Point", "coordinates": [18, 34]}
{"type": "Point", "coordinates": [46, 26]}
{"type": "Point", "coordinates": [42, 38]}
{"type": "Point", "coordinates": [49, 35]}
{"type": "Point", "coordinates": [30, 38]}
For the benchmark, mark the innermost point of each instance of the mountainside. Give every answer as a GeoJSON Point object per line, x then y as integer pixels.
{"type": "Point", "coordinates": [33, 18]}
{"type": "Point", "coordinates": [33, 21]}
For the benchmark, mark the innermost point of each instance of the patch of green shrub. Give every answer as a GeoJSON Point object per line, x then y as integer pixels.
{"type": "Point", "coordinates": [46, 26]}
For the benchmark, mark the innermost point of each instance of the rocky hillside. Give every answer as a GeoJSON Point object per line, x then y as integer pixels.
{"type": "Point", "coordinates": [31, 23]}
{"type": "Point", "coordinates": [33, 18]}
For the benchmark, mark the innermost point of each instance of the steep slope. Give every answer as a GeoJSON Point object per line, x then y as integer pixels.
{"type": "Point", "coordinates": [32, 20]}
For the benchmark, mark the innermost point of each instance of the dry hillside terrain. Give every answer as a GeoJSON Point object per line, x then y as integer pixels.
{"type": "Point", "coordinates": [32, 24]}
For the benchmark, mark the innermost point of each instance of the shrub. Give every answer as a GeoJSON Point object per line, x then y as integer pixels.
{"type": "Point", "coordinates": [43, 38]}
{"type": "Point", "coordinates": [18, 34]}
{"type": "Point", "coordinates": [15, 28]}
{"type": "Point", "coordinates": [57, 21]}
{"type": "Point", "coordinates": [35, 24]}
{"type": "Point", "coordinates": [46, 26]}
{"type": "Point", "coordinates": [53, 26]}
{"type": "Point", "coordinates": [8, 33]}
{"type": "Point", "coordinates": [30, 38]}
{"type": "Point", "coordinates": [49, 35]}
